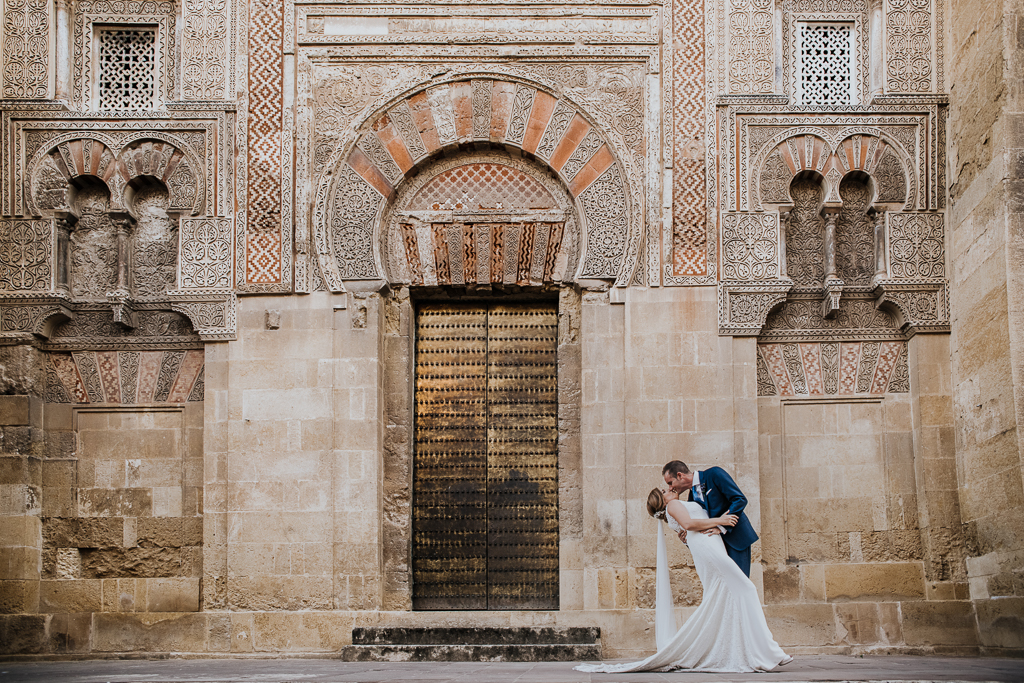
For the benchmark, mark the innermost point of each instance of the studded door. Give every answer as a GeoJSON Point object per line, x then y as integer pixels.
{"type": "Point", "coordinates": [485, 470]}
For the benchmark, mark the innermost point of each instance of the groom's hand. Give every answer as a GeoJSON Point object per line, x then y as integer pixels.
{"type": "Point", "coordinates": [713, 531]}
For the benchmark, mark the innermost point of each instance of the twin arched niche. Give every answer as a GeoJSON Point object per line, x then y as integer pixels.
{"type": "Point", "coordinates": [57, 174]}
{"type": "Point", "coordinates": [415, 201]}
{"type": "Point", "coordinates": [859, 155]}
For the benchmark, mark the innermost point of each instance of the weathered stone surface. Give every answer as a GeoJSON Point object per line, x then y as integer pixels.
{"type": "Point", "coordinates": [83, 532]}
{"type": "Point", "coordinates": [132, 562]}
{"type": "Point", "coordinates": [883, 581]}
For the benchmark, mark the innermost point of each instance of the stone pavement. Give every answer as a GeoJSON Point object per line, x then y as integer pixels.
{"type": "Point", "coordinates": [805, 669]}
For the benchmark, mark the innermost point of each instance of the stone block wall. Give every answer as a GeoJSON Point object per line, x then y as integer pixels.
{"type": "Point", "coordinates": [987, 306]}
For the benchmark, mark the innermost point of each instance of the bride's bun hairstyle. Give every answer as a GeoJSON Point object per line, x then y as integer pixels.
{"type": "Point", "coordinates": [656, 503]}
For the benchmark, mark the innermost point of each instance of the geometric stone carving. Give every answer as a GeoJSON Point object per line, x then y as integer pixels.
{"type": "Point", "coordinates": [890, 179]}
{"type": "Point", "coordinates": [91, 17]}
{"type": "Point", "coordinates": [826, 72]}
{"type": "Point", "coordinates": [127, 66]}
{"type": "Point", "coordinates": [604, 205]}
{"type": "Point", "coordinates": [916, 245]}
{"type": "Point", "coordinates": [26, 248]}
{"type": "Point", "coordinates": [353, 213]}
{"type": "Point", "coordinates": [26, 40]}
{"type": "Point", "coordinates": [919, 306]}
{"type": "Point", "coordinates": [205, 253]}
{"type": "Point", "coordinates": [750, 246]}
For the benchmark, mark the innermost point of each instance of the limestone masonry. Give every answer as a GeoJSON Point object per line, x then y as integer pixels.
{"type": "Point", "coordinates": [318, 316]}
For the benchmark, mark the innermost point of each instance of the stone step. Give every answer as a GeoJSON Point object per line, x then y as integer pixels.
{"type": "Point", "coordinates": [558, 635]}
{"type": "Point", "coordinates": [509, 652]}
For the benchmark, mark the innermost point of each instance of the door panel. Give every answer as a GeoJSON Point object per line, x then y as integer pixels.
{"type": "Point", "coordinates": [485, 483]}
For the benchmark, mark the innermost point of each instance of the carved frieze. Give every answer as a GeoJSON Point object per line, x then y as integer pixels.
{"type": "Point", "coordinates": [743, 308]}
{"type": "Point", "coordinates": [204, 49]}
{"type": "Point", "coordinates": [125, 377]}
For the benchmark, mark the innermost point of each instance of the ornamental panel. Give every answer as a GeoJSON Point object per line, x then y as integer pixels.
{"type": "Point", "coordinates": [26, 255]}
{"type": "Point", "coordinates": [25, 57]}
{"type": "Point", "coordinates": [205, 257]}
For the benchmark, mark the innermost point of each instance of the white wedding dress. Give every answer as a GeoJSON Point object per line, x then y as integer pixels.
{"type": "Point", "coordinates": [728, 632]}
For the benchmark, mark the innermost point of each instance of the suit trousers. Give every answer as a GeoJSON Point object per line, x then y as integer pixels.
{"type": "Point", "coordinates": [740, 557]}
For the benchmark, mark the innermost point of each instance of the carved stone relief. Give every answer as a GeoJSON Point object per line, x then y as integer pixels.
{"type": "Point", "coordinates": [155, 242]}
{"type": "Point", "coordinates": [121, 12]}
{"type": "Point", "coordinates": [750, 246]}
{"type": "Point", "coordinates": [94, 257]}
{"type": "Point", "coordinates": [917, 245]}
{"type": "Point", "coordinates": [805, 235]}
{"type": "Point", "coordinates": [125, 377]}
{"type": "Point", "coordinates": [26, 250]}
{"type": "Point", "coordinates": [751, 47]}
{"type": "Point", "coordinates": [855, 250]}
{"type": "Point", "coordinates": [908, 46]}
{"type": "Point", "coordinates": [26, 49]}
{"type": "Point", "coordinates": [204, 49]}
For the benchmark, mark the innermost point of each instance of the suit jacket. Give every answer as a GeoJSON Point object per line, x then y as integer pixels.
{"type": "Point", "coordinates": [721, 495]}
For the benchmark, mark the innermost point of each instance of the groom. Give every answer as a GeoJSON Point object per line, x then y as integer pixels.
{"type": "Point", "coordinates": [715, 491]}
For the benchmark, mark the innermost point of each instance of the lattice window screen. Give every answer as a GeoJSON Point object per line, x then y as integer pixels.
{"type": "Point", "coordinates": [127, 69]}
{"type": "Point", "coordinates": [826, 64]}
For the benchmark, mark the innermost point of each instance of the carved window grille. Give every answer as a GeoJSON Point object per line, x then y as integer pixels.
{"type": "Point", "coordinates": [127, 68]}
{"type": "Point", "coordinates": [826, 73]}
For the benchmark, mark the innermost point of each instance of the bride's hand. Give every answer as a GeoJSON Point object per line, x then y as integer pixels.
{"type": "Point", "coordinates": [728, 519]}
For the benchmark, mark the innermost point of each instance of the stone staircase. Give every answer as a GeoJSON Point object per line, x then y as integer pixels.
{"type": "Point", "coordinates": [554, 644]}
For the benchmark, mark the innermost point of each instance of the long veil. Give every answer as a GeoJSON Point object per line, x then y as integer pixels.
{"type": "Point", "coordinates": [664, 614]}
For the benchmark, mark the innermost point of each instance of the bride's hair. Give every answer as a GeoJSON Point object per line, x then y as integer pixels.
{"type": "Point", "coordinates": [656, 503]}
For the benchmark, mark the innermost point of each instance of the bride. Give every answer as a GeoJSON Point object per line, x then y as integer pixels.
{"type": "Point", "coordinates": [728, 632]}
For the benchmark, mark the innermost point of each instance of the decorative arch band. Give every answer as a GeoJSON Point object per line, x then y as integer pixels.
{"type": "Point", "coordinates": [394, 143]}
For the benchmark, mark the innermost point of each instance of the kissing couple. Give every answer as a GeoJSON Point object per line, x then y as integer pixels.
{"type": "Point", "coordinates": [728, 632]}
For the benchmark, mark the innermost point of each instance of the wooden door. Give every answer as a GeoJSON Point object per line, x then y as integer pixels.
{"type": "Point", "coordinates": [485, 469]}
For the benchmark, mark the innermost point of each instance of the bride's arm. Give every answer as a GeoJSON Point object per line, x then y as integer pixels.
{"type": "Point", "coordinates": [679, 513]}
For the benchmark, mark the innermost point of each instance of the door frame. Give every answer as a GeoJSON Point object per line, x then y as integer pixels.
{"type": "Point", "coordinates": [399, 372]}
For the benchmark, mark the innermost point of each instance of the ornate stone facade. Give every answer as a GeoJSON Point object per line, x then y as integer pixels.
{"type": "Point", "coordinates": [742, 208]}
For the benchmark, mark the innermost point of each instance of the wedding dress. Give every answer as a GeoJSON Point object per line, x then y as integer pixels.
{"type": "Point", "coordinates": [726, 634]}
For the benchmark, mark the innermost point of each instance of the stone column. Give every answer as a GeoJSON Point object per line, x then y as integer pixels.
{"type": "Point", "coordinates": [784, 218]}
{"type": "Point", "coordinates": [63, 71]}
{"type": "Point", "coordinates": [830, 245]}
{"type": "Point", "coordinates": [63, 260]}
{"type": "Point", "coordinates": [123, 227]}
{"type": "Point", "coordinates": [881, 257]}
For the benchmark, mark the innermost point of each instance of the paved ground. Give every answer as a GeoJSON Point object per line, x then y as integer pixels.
{"type": "Point", "coordinates": [805, 668]}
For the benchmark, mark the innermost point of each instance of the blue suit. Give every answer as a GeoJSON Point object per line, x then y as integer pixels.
{"type": "Point", "coordinates": [721, 495]}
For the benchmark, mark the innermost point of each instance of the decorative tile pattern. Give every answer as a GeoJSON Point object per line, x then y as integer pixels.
{"type": "Point", "coordinates": [114, 376]}
{"type": "Point", "coordinates": [888, 355]}
{"type": "Point", "coordinates": [832, 368]}
{"type": "Point", "coordinates": [689, 190]}
{"type": "Point", "coordinates": [810, 355]}
{"type": "Point", "coordinates": [265, 128]}
{"type": "Point", "coordinates": [482, 187]}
